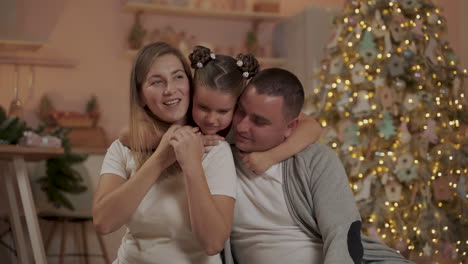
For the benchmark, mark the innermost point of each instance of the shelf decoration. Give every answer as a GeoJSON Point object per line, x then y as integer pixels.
{"type": "Point", "coordinates": [137, 33]}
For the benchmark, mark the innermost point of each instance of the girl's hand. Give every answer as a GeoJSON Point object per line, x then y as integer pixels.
{"type": "Point", "coordinates": [211, 140]}
{"type": "Point", "coordinates": [164, 152]}
{"type": "Point", "coordinates": [258, 162]}
{"type": "Point", "coordinates": [188, 147]}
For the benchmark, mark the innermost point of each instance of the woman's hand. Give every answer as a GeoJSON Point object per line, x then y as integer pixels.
{"type": "Point", "coordinates": [210, 141]}
{"type": "Point", "coordinates": [164, 152]}
{"type": "Point", "coordinates": [188, 147]}
{"type": "Point", "coordinates": [258, 162]}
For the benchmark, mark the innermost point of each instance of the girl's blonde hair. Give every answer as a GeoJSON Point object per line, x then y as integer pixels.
{"type": "Point", "coordinates": [142, 119]}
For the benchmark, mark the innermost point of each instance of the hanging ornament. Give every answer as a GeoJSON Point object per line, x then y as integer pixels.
{"type": "Point", "coordinates": [343, 101]}
{"type": "Point", "coordinates": [404, 161]}
{"type": "Point", "coordinates": [417, 30]}
{"type": "Point", "coordinates": [379, 82]}
{"type": "Point", "coordinates": [396, 66]}
{"type": "Point", "coordinates": [367, 48]}
{"type": "Point", "coordinates": [405, 136]}
{"type": "Point", "coordinates": [400, 84]}
{"type": "Point", "coordinates": [357, 74]}
{"type": "Point", "coordinates": [388, 42]}
{"type": "Point", "coordinates": [430, 51]}
{"type": "Point", "coordinates": [426, 97]}
{"type": "Point", "coordinates": [441, 188]}
{"type": "Point", "coordinates": [430, 132]}
{"type": "Point", "coordinates": [364, 193]}
{"type": "Point", "coordinates": [348, 134]}
{"type": "Point", "coordinates": [378, 25]}
{"type": "Point", "coordinates": [386, 98]}
{"type": "Point", "coordinates": [329, 136]}
{"type": "Point", "coordinates": [408, 55]}
{"type": "Point", "coordinates": [362, 106]}
{"type": "Point", "coordinates": [364, 8]}
{"type": "Point", "coordinates": [410, 5]}
{"type": "Point", "coordinates": [333, 41]}
{"type": "Point", "coordinates": [418, 76]}
{"type": "Point", "coordinates": [387, 129]}
{"type": "Point", "coordinates": [427, 250]}
{"type": "Point", "coordinates": [393, 190]}
{"type": "Point", "coordinates": [432, 18]}
{"type": "Point", "coordinates": [396, 30]}
{"type": "Point", "coordinates": [407, 174]}
{"type": "Point", "coordinates": [336, 66]}
{"type": "Point", "coordinates": [411, 101]}
{"type": "Point", "coordinates": [462, 187]}
{"type": "Point", "coordinates": [352, 21]}
{"type": "Point", "coordinates": [385, 178]}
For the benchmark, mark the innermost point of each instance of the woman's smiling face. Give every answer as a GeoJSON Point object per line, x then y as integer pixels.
{"type": "Point", "coordinates": [166, 90]}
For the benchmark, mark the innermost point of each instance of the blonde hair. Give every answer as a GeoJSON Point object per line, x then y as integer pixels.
{"type": "Point", "coordinates": [141, 117]}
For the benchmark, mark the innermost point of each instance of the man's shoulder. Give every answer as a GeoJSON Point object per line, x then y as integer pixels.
{"type": "Point", "coordinates": [316, 150]}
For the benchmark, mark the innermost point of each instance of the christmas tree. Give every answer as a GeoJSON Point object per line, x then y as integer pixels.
{"type": "Point", "coordinates": [392, 103]}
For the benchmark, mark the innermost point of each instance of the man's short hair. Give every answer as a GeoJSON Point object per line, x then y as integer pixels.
{"type": "Point", "coordinates": [279, 82]}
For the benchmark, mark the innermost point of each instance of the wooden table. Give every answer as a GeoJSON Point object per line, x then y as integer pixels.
{"type": "Point", "coordinates": [13, 164]}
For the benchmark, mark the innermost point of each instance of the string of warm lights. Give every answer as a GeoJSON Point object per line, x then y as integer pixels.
{"type": "Point", "coordinates": [391, 101]}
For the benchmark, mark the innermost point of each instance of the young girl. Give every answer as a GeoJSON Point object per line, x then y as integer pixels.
{"type": "Point", "coordinates": [218, 82]}
{"type": "Point", "coordinates": [174, 212]}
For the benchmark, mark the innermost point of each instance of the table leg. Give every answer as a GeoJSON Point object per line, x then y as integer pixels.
{"type": "Point", "coordinates": [15, 218]}
{"type": "Point", "coordinates": [29, 210]}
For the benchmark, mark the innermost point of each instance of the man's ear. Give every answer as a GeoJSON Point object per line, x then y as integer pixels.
{"type": "Point", "coordinates": [291, 127]}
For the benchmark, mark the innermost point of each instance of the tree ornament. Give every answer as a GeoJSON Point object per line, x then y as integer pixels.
{"type": "Point", "coordinates": [343, 101]}
{"type": "Point", "coordinates": [387, 129]}
{"type": "Point", "coordinates": [411, 101]}
{"type": "Point", "coordinates": [378, 25]}
{"type": "Point", "coordinates": [417, 30]}
{"type": "Point", "coordinates": [462, 187]}
{"type": "Point", "coordinates": [357, 74]}
{"type": "Point", "coordinates": [441, 188]}
{"type": "Point", "coordinates": [400, 84]}
{"type": "Point", "coordinates": [364, 193]}
{"type": "Point", "coordinates": [430, 51]}
{"type": "Point", "coordinates": [393, 190]}
{"type": "Point", "coordinates": [396, 31]}
{"type": "Point", "coordinates": [336, 66]}
{"type": "Point", "coordinates": [386, 98]}
{"type": "Point", "coordinates": [430, 132]}
{"type": "Point", "coordinates": [348, 134]}
{"type": "Point", "coordinates": [396, 66]}
{"type": "Point", "coordinates": [362, 106]}
{"type": "Point", "coordinates": [405, 136]}
{"type": "Point", "coordinates": [408, 55]}
{"type": "Point", "coordinates": [410, 5]}
{"type": "Point", "coordinates": [427, 250]}
{"type": "Point", "coordinates": [432, 18]}
{"type": "Point", "coordinates": [407, 174]}
{"type": "Point", "coordinates": [367, 49]}
{"type": "Point", "coordinates": [404, 161]}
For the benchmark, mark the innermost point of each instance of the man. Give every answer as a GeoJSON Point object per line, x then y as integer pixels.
{"type": "Point", "coordinates": [302, 209]}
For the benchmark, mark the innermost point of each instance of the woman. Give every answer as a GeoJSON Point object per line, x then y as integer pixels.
{"type": "Point", "coordinates": [175, 212]}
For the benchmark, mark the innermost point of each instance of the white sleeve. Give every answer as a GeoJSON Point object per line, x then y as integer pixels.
{"type": "Point", "coordinates": [115, 160]}
{"type": "Point", "coordinates": [220, 171]}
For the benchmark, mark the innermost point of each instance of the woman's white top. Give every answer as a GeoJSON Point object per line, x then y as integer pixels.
{"type": "Point", "coordinates": [159, 229]}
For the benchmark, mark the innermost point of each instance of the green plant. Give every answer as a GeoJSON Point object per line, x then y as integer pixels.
{"type": "Point", "coordinates": [60, 177]}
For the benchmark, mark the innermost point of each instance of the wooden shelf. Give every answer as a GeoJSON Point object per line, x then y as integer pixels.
{"type": "Point", "coordinates": [29, 153]}
{"type": "Point", "coordinates": [40, 62]}
{"type": "Point", "coordinates": [20, 45]}
{"type": "Point", "coordinates": [264, 61]}
{"type": "Point", "coordinates": [199, 12]}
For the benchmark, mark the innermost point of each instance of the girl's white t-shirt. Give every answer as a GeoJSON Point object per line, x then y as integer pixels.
{"type": "Point", "coordinates": [159, 229]}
